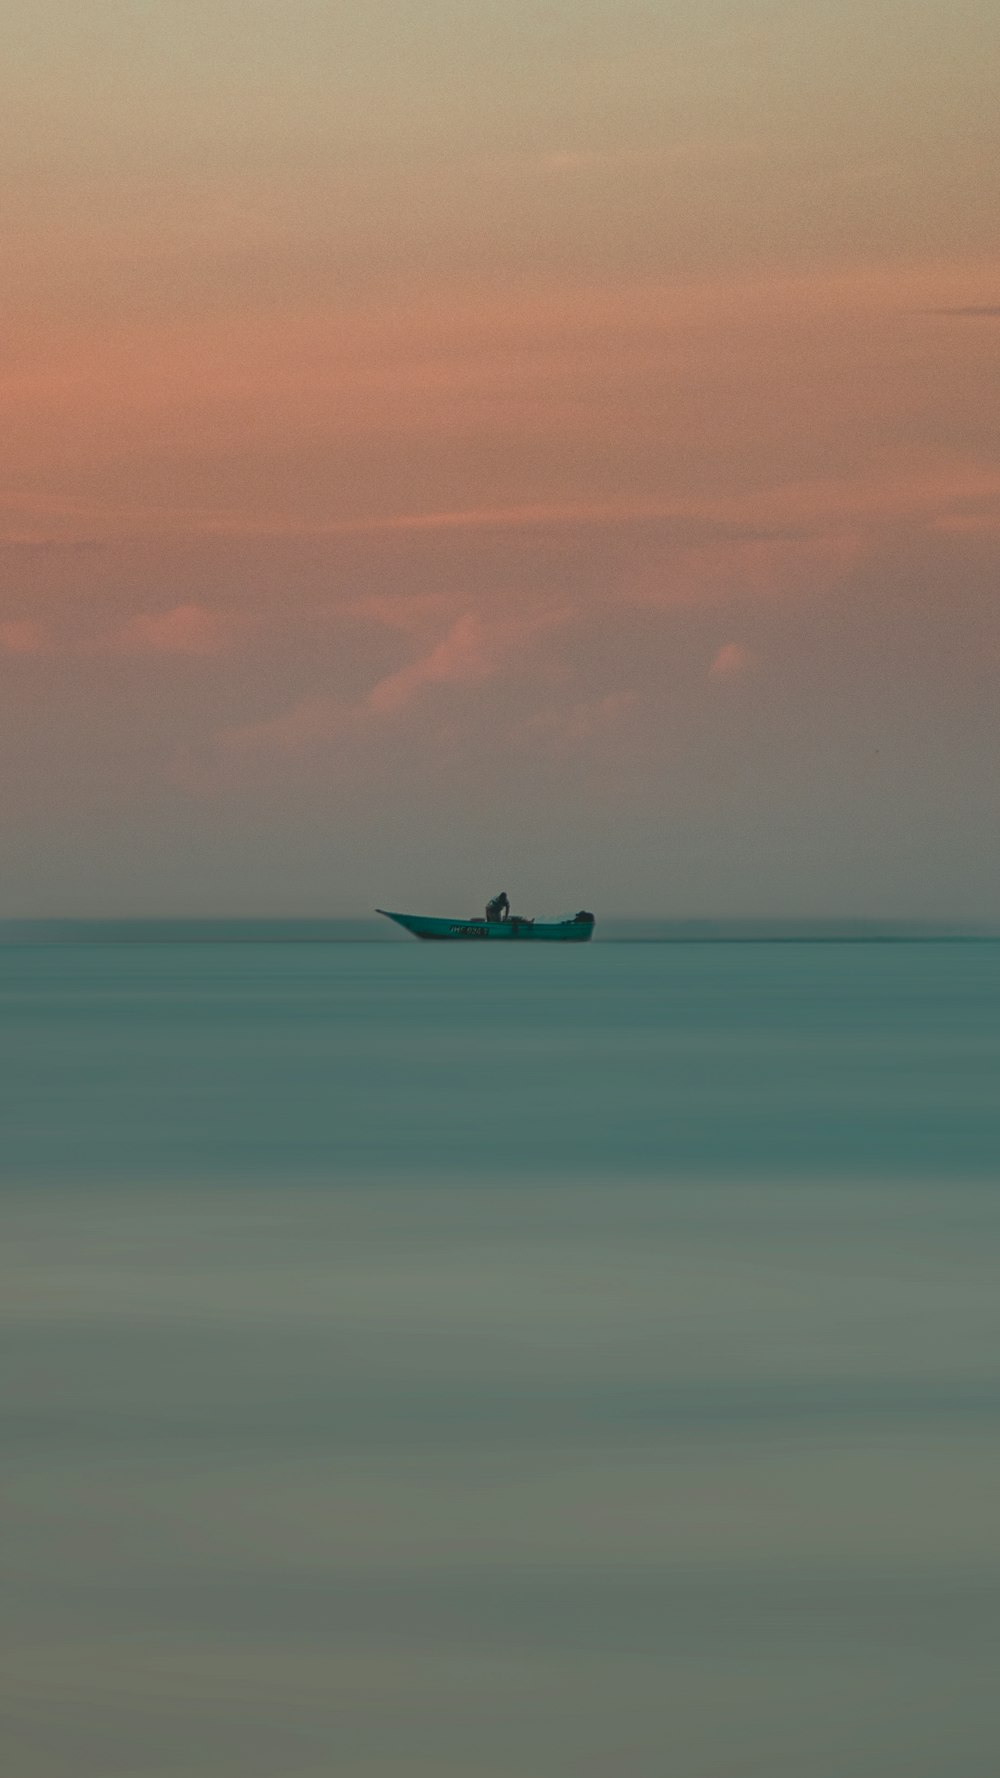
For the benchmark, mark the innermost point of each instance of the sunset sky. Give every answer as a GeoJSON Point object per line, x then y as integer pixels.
{"type": "Point", "coordinates": [459, 446]}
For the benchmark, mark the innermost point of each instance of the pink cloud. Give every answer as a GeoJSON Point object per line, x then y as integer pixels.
{"type": "Point", "coordinates": [464, 656]}
{"type": "Point", "coordinates": [22, 635]}
{"type": "Point", "coordinates": [185, 630]}
{"type": "Point", "coordinates": [471, 651]}
{"type": "Point", "coordinates": [461, 656]}
{"type": "Point", "coordinates": [841, 509]}
{"type": "Point", "coordinates": [733, 661]}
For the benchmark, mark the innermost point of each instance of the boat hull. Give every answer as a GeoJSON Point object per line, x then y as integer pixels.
{"type": "Point", "coordinates": [425, 926]}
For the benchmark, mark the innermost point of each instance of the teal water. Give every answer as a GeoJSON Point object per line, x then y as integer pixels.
{"type": "Point", "coordinates": [514, 1364]}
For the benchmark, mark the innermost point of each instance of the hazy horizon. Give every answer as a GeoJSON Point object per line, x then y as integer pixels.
{"type": "Point", "coordinates": [369, 928]}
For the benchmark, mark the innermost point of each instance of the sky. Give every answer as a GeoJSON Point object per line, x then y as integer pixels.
{"type": "Point", "coordinates": [541, 446]}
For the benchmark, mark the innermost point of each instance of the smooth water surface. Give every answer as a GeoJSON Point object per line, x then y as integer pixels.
{"type": "Point", "coordinates": [506, 1364]}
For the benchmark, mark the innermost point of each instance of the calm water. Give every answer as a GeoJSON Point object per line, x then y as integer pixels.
{"type": "Point", "coordinates": [500, 1364]}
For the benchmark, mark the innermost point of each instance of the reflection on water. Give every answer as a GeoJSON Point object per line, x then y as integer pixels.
{"type": "Point", "coordinates": [414, 1364]}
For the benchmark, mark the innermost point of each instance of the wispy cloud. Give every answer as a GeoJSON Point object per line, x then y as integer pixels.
{"type": "Point", "coordinates": [183, 630]}
{"type": "Point", "coordinates": [759, 567]}
{"type": "Point", "coordinates": [470, 652]}
{"type": "Point", "coordinates": [733, 661]}
{"type": "Point", "coordinates": [821, 514]}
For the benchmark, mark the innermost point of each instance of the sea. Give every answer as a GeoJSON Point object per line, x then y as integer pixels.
{"type": "Point", "coordinates": [499, 1361]}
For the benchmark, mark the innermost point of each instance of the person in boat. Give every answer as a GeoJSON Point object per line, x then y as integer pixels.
{"type": "Point", "coordinates": [499, 907]}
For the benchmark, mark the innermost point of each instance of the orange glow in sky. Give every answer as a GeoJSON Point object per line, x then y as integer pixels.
{"type": "Point", "coordinates": [446, 445]}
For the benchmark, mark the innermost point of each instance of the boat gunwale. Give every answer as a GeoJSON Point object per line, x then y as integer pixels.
{"type": "Point", "coordinates": [443, 928]}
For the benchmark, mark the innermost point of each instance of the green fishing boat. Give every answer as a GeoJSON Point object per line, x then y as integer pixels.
{"type": "Point", "coordinates": [514, 928]}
